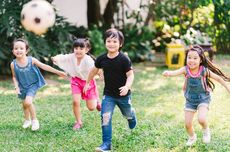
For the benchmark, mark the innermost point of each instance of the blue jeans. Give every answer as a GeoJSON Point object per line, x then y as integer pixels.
{"type": "Point", "coordinates": [108, 105]}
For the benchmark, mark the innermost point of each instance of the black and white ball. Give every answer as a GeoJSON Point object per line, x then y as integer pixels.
{"type": "Point", "coordinates": [37, 16]}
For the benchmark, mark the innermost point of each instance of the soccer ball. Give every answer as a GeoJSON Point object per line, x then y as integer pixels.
{"type": "Point", "coordinates": [37, 16]}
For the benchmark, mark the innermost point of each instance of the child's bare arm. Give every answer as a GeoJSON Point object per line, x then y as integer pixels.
{"type": "Point", "coordinates": [220, 80]}
{"type": "Point", "coordinates": [169, 73]}
{"type": "Point", "coordinates": [100, 74]}
{"type": "Point", "coordinates": [48, 68]}
{"type": "Point", "coordinates": [92, 73]}
{"type": "Point", "coordinates": [14, 79]}
{"type": "Point", "coordinates": [124, 89]}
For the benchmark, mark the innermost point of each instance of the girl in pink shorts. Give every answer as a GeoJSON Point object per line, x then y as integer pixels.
{"type": "Point", "coordinates": [77, 65]}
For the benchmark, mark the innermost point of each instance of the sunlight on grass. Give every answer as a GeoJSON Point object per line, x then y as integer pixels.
{"type": "Point", "coordinates": [7, 92]}
{"type": "Point", "coordinates": [54, 89]}
{"type": "Point", "coordinates": [159, 104]}
{"type": "Point", "coordinates": [151, 85]}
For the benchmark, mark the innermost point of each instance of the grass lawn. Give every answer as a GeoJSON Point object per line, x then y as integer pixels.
{"type": "Point", "coordinates": [159, 105]}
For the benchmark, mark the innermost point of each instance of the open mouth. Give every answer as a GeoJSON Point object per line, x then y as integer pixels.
{"type": "Point", "coordinates": [18, 53]}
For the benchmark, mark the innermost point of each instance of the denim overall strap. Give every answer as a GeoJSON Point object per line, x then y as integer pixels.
{"type": "Point", "coordinates": [195, 88]}
{"type": "Point", "coordinates": [204, 79]}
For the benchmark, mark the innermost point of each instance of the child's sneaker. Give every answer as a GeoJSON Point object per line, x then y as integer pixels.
{"type": "Point", "coordinates": [191, 140]}
{"type": "Point", "coordinates": [98, 106]}
{"type": "Point", "coordinates": [132, 122]}
{"type": "Point", "coordinates": [77, 126]}
{"type": "Point", "coordinates": [105, 147]}
{"type": "Point", "coordinates": [206, 136]}
{"type": "Point", "coordinates": [26, 124]}
{"type": "Point", "coordinates": [35, 125]}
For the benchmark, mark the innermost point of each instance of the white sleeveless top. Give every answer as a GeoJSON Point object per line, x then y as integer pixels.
{"type": "Point", "coordinates": [68, 63]}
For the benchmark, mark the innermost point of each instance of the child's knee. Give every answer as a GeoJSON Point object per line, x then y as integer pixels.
{"type": "Point", "coordinates": [76, 103]}
{"type": "Point", "coordinates": [106, 118]}
{"type": "Point", "coordinates": [202, 120]}
{"type": "Point", "coordinates": [27, 104]}
{"type": "Point", "coordinates": [188, 124]}
{"type": "Point", "coordinates": [91, 108]}
{"type": "Point", "coordinates": [91, 104]}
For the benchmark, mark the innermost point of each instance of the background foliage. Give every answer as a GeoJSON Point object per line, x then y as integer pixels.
{"type": "Point", "coordinates": [166, 21]}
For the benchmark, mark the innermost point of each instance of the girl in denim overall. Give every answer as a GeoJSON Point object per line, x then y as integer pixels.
{"type": "Point", "coordinates": [197, 87]}
{"type": "Point", "coordinates": [28, 79]}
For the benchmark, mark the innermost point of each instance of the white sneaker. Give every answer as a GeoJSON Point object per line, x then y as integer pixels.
{"type": "Point", "coordinates": [206, 136]}
{"type": "Point", "coordinates": [26, 124]}
{"type": "Point", "coordinates": [191, 140]}
{"type": "Point", "coordinates": [35, 125]}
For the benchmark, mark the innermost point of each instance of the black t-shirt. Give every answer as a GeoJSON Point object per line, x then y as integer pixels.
{"type": "Point", "coordinates": [115, 70]}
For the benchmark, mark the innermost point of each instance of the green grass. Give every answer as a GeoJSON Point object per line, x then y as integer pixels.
{"type": "Point", "coordinates": [159, 105]}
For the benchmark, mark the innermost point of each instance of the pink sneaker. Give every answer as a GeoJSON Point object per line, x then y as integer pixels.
{"type": "Point", "coordinates": [77, 126]}
{"type": "Point", "coordinates": [98, 106]}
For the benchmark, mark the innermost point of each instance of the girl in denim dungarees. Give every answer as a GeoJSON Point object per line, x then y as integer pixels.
{"type": "Point", "coordinates": [28, 79]}
{"type": "Point", "coordinates": [197, 87]}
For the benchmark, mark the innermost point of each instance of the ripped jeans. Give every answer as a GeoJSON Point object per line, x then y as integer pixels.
{"type": "Point", "coordinates": [108, 105]}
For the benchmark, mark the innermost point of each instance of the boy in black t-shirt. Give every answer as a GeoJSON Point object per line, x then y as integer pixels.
{"type": "Point", "coordinates": [118, 77]}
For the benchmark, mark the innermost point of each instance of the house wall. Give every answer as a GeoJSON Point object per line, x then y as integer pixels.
{"type": "Point", "coordinates": [75, 11]}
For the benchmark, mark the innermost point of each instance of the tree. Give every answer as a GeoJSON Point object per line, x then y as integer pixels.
{"type": "Point", "coordinates": [93, 12]}
{"type": "Point", "coordinates": [222, 24]}
{"type": "Point", "coordinates": [58, 39]}
{"type": "Point", "coordinates": [94, 17]}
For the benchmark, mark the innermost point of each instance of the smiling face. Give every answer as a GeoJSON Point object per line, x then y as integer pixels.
{"type": "Point", "coordinates": [193, 60]}
{"type": "Point", "coordinates": [20, 49]}
{"type": "Point", "coordinates": [80, 52]}
{"type": "Point", "coordinates": [112, 44]}
{"type": "Point", "coordinates": [114, 40]}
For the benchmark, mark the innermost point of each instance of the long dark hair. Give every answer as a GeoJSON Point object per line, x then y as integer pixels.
{"type": "Point", "coordinates": [83, 43]}
{"type": "Point", "coordinates": [208, 65]}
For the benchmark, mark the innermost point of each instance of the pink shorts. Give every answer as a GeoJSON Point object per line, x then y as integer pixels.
{"type": "Point", "coordinates": [77, 86]}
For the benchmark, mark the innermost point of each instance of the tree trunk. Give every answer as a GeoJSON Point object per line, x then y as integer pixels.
{"type": "Point", "coordinates": [110, 9]}
{"type": "Point", "coordinates": [93, 12]}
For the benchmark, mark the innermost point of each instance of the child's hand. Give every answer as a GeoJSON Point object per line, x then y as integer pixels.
{"type": "Point", "coordinates": [53, 60]}
{"type": "Point", "coordinates": [100, 74]}
{"type": "Point", "coordinates": [17, 90]}
{"type": "Point", "coordinates": [86, 87]}
{"type": "Point", "coordinates": [166, 73]}
{"type": "Point", "coordinates": [123, 90]}
{"type": "Point", "coordinates": [62, 74]}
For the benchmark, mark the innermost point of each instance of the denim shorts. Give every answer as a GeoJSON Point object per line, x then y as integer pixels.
{"type": "Point", "coordinates": [194, 105]}
{"type": "Point", "coordinates": [28, 92]}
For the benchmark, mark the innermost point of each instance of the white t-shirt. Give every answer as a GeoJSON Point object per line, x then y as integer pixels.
{"type": "Point", "coordinates": [68, 63]}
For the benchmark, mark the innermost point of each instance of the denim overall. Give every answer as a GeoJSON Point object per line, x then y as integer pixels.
{"type": "Point", "coordinates": [29, 78]}
{"type": "Point", "coordinates": [196, 89]}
